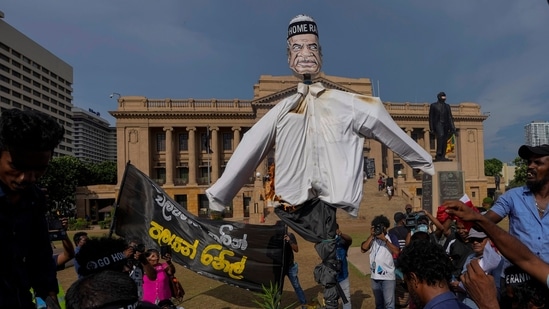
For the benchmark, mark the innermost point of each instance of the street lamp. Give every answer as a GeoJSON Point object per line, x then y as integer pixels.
{"type": "Point", "coordinates": [115, 93]}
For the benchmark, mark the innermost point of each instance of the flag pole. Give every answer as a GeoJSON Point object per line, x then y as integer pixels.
{"type": "Point", "coordinates": [122, 182]}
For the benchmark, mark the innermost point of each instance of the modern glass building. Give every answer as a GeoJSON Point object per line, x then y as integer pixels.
{"type": "Point", "coordinates": [536, 133]}
{"type": "Point", "coordinates": [31, 77]}
{"type": "Point", "coordinates": [94, 140]}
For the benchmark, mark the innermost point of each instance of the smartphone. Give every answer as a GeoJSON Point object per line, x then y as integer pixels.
{"type": "Point", "coordinates": [165, 250]}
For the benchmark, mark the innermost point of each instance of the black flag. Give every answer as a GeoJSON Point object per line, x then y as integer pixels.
{"type": "Point", "coordinates": [244, 255]}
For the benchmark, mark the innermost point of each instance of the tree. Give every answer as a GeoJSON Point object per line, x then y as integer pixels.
{"type": "Point", "coordinates": [66, 173]}
{"type": "Point", "coordinates": [520, 173]}
{"type": "Point", "coordinates": [61, 180]}
{"type": "Point", "coordinates": [100, 173]}
{"type": "Point", "coordinates": [492, 167]}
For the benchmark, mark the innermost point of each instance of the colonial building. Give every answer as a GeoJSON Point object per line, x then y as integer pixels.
{"type": "Point", "coordinates": [184, 144]}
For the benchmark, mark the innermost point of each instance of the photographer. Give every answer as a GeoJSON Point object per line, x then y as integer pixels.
{"type": "Point", "coordinates": [422, 221]}
{"type": "Point", "coordinates": [137, 266]}
{"type": "Point", "coordinates": [382, 266]}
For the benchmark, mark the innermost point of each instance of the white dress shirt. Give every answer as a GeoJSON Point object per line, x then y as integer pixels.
{"type": "Point", "coordinates": [319, 152]}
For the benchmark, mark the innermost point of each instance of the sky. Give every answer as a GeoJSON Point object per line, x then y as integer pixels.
{"type": "Point", "coordinates": [494, 53]}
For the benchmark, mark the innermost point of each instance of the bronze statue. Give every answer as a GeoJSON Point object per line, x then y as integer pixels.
{"type": "Point", "coordinates": [441, 124]}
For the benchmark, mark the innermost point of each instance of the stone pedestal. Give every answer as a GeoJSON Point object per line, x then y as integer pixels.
{"type": "Point", "coordinates": [447, 183]}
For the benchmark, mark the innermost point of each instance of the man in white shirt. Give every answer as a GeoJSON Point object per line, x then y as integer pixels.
{"type": "Point", "coordinates": [319, 136]}
{"type": "Point", "coordinates": [382, 265]}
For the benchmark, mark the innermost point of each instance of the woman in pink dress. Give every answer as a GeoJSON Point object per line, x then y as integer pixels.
{"type": "Point", "coordinates": [158, 288]}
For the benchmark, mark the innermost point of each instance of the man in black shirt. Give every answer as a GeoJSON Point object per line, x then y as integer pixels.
{"type": "Point", "coordinates": [27, 141]}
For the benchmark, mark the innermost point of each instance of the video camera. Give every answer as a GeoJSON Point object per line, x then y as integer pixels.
{"type": "Point", "coordinates": [138, 248]}
{"type": "Point", "coordinates": [414, 219]}
{"type": "Point", "coordinates": [378, 229]}
{"type": "Point", "coordinates": [55, 227]}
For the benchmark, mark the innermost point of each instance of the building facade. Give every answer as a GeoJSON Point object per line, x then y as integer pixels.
{"type": "Point", "coordinates": [93, 137]}
{"type": "Point", "coordinates": [31, 77]}
{"type": "Point", "coordinates": [184, 144]}
{"type": "Point", "coordinates": [536, 133]}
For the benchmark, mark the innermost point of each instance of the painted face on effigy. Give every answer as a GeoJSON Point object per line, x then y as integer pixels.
{"type": "Point", "coordinates": [304, 54]}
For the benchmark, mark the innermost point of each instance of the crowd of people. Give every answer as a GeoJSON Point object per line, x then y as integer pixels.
{"type": "Point", "coordinates": [460, 258]}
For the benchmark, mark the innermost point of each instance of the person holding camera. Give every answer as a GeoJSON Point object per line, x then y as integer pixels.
{"type": "Point", "coordinates": [137, 266]}
{"type": "Point", "coordinates": [382, 266]}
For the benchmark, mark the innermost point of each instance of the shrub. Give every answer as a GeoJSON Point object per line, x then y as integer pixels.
{"type": "Point", "coordinates": [106, 224]}
{"type": "Point", "coordinates": [76, 224]}
{"type": "Point", "coordinates": [270, 298]}
{"type": "Point", "coordinates": [488, 201]}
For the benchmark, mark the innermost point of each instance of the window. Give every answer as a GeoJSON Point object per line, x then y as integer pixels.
{"type": "Point", "coordinates": [161, 142]}
{"type": "Point", "coordinates": [181, 199]}
{"type": "Point", "coordinates": [227, 141]}
{"type": "Point", "coordinates": [4, 78]}
{"type": "Point", "coordinates": [184, 141]}
{"type": "Point", "coordinates": [160, 175]}
{"type": "Point", "coordinates": [203, 205]}
{"type": "Point", "coordinates": [182, 175]}
{"type": "Point", "coordinates": [203, 175]}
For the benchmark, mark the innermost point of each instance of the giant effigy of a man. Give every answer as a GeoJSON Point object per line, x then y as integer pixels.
{"type": "Point", "coordinates": [319, 137]}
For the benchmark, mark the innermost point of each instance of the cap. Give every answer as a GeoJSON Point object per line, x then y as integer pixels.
{"type": "Point", "coordinates": [514, 276]}
{"type": "Point", "coordinates": [476, 234]}
{"type": "Point", "coordinates": [441, 94]}
{"type": "Point", "coordinates": [422, 228]}
{"type": "Point", "coordinates": [302, 24]}
{"type": "Point", "coordinates": [399, 216]}
{"type": "Point", "coordinates": [526, 152]}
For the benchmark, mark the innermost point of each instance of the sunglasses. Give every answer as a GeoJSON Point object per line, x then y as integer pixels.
{"type": "Point", "coordinates": [476, 239]}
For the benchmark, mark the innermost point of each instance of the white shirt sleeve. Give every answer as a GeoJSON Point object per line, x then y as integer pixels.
{"type": "Point", "coordinates": [253, 148]}
{"type": "Point", "coordinates": [373, 120]}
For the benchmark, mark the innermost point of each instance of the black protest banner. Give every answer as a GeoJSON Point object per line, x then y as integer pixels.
{"type": "Point", "coordinates": [244, 255]}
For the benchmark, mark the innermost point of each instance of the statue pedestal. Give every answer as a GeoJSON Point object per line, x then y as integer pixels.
{"type": "Point", "coordinates": [447, 183]}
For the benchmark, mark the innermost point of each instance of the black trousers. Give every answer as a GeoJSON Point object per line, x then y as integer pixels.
{"type": "Point", "coordinates": [315, 221]}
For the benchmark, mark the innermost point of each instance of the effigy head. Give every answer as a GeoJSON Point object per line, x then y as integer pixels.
{"type": "Point", "coordinates": [304, 52]}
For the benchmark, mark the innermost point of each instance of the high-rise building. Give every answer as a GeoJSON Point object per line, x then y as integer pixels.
{"type": "Point", "coordinates": [31, 77]}
{"type": "Point", "coordinates": [536, 133]}
{"type": "Point", "coordinates": [93, 138]}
